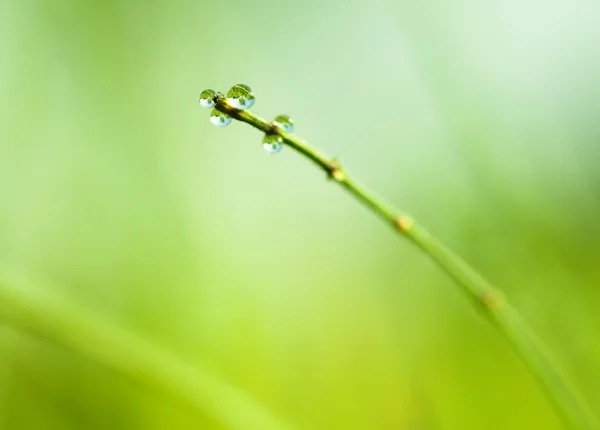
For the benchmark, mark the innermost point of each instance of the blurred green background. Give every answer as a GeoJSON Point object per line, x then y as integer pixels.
{"type": "Point", "coordinates": [118, 197]}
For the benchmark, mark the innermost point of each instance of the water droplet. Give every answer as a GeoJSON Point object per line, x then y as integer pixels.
{"type": "Point", "coordinates": [207, 98]}
{"type": "Point", "coordinates": [219, 118]}
{"type": "Point", "coordinates": [272, 143]}
{"type": "Point", "coordinates": [240, 96]}
{"type": "Point", "coordinates": [285, 122]}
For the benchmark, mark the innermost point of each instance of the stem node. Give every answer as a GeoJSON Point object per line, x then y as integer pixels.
{"type": "Point", "coordinates": [335, 171]}
{"type": "Point", "coordinates": [492, 300]}
{"type": "Point", "coordinates": [404, 223]}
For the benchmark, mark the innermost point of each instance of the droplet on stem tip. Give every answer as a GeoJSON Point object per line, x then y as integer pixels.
{"type": "Point", "coordinates": [285, 122]}
{"type": "Point", "coordinates": [207, 98]}
{"type": "Point", "coordinates": [272, 143]}
{"type": "Point", "coordinates": [219, 118]}
{"type": "Point", "coordinates": [240, 96]}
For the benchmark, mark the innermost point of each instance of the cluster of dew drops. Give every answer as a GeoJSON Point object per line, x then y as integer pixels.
{"type": "Point", "coordinates": [241, 97]}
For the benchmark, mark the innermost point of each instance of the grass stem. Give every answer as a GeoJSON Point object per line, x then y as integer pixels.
{"type": "Point", "coordinates": [568, 404]}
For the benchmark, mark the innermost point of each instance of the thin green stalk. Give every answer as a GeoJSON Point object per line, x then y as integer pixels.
{"type": "Point", "coordinates": [566, 401]}
{"type": "Point", "coordinates": [135, 359]}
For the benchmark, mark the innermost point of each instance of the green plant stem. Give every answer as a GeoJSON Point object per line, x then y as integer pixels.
{"type": "Point", "coordinates": [567, 402]}
{"type": "Point", "coordinates": [135, 359]}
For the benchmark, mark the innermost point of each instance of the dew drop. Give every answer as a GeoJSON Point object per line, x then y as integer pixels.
{"type": "Point", "coordinates": [219, 118]}
{"type": "Point", "coordinates": [240, 96]}
{"type": "Point", "coordinates": [272, 143]}
{"type": "Point", "coordinates": [207, 98]}
{"type": "Point", "coordinates": [285, 122]}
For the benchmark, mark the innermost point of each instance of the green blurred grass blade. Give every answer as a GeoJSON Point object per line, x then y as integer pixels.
{"type": "Point", "coordinates": [134, 358]}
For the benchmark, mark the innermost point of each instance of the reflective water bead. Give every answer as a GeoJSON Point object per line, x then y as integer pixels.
{"type": "Point", "coordinates": [285, 122]}
{"type": "Point", "coordinates": [207, 98]}
{"type": "Point", "coordinates": [219, 118]}
{"type": "Point", "coordinates": [240, 96]}
{"type": "Point", "coordinates": [272, 143]}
